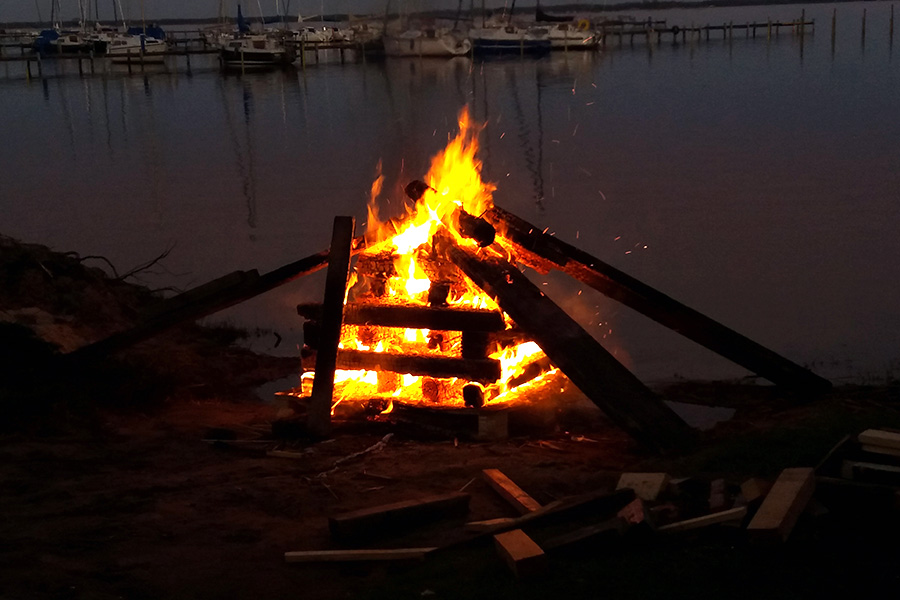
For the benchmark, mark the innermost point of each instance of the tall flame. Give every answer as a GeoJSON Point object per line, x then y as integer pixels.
{"type": "Point", "coordinates": [454, 182]}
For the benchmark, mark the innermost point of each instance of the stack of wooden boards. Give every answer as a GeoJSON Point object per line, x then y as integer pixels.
{"type": "Point", "coordinates": [642, 503]}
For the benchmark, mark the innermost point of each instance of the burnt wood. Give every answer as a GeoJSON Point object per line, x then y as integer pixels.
{"type": "Point", "coordinates": [413, 317]}
{"type": "Point", "coordinates": [205, 300]}
{"type": "Point", "coordinates": [319, 412]}
{"type": "Point", "coordinates": [545, 252]}
{"type": "Point", "coordinates": [603, 379]}
{"type": "Point", "coordinates": [484, 370]}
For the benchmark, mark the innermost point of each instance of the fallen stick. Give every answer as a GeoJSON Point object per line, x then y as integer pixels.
{"type": "Point", "coordinates": [308, 556]}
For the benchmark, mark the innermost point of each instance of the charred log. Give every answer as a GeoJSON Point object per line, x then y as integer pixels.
{"type": "Point", "coordinates": [413, 317]}
{"type": "Point", "coordinates": [483, 370]}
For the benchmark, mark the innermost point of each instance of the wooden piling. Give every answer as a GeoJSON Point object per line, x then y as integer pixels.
{"type": "Point", "coordinates": [864, 27]}
{"type": "Point", "coordinates": [891, 27]}
{"type": "Point", "coordinates": [833, 28]}
{"type": "Point", "coordinates": [319, 416]}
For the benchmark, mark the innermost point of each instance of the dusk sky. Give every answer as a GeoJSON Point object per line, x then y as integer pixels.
{"type": "Point", "coordinates": [27, 10]}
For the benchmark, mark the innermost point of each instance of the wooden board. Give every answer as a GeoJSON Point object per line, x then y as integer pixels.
{"type": "Point", "coordinates": [524, 557]}
{"type": "Point", "coordinates": [588, 536]}
{"type": "Point", "coordinates": [871, 472]}
{"type": "Point", "coordinates": [205, 300]}
{"type": "Point", "coordinates": [883, 450]}
{"type": "Point", "coordinates": [543, 251]}
{"type": "Point", "coordinates": [319, 410]}
{"type": "Point", "coordinates": [880, 438]}
{"type": "Point", "coordinates": [413, 317]}
{"type": "Point", "coordinates": [726, 516]}
{"type": "Point", "coordinates": [485, 370]}
{"type": "Point", "coordinates": [755, 489]}
{"type": "Point", "coordinates": [603, 379]}
{"type": "Point", "coordinates": [398, 516]}
{"type": "Point", "coordinates": [509, 491]}
{"type": "Point", "coordinates": [647, 486]}
{"type": "Point", "coordinates": [784, 504]}
{"type": "Point", "coordinates": [308, 556]}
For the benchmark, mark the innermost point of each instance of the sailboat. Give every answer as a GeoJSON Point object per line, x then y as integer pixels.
{"type": "Point", "coordinates": [495, 37]}
{"type": "Point", "coordinates": [141, 44]}
{"type": "Point", "coordinates": [427, 40]}
{"type": "Point", "coordinates": [252, 51]}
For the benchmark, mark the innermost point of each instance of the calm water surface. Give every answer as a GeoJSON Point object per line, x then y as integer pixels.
{"type": "Point", "coordinates": [756, 181]}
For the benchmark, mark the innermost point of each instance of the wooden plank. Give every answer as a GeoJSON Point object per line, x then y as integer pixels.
{"type": "Point", "coordinates": [488, 525]}
{"type": "Point", "coordinates": [647, 486]}
{"type": "Point", "coordinates": [524, 557]}
{"type": "Point", "coordinates": [203, 301]}
{"type": "Point", "coordinates": [486, 370]}
{"type": "Point", "coordinates": [755, 489]}
{"type": "Point", "coordinates": [319, 410]}
{"type": "Point", "coordinates": [883, 450]}
{"type": "Point", "coordinates": [725, 516]}
{"type": "Point", "coordinates": [881, 438]}
{"type": "Point", "coordinates": [544, 252]}
{"type": "Point", "coordinates": [603, 379]}
{"type": "Point", "coordinates": [398, 516]}
{"type": "Point", "coordinates": [509, 491]}
{"type": "Point", "coordinates": [413, 317]}
{"type": "Point", "coordinates": [784, 504]}
{"type": "Point", "coordinates": [591, 535]}
{"type": "Point", "coordinates": [871, 472]}
{"type": "Point", "coordinates": [308, 556]}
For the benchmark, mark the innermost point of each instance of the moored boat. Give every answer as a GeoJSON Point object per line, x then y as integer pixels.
{"type": "Point", "coordinates": [128, 47]}
{"type": "Point", "coordinates": [509, 39]}
{"type": "Point", "coordinates": [428, 41]}
{"type": "Point", "coordinates": [254, 52]}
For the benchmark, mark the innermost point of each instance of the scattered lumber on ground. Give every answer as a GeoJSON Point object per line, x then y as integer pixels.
{"type": "Point", "coordinates": [399, 516]}
{"type": "Point", "coordinates": [784, 504]}
{"type": "Point", "coordinates": [725, 516]}
{"type": "Point", "coordinates": [524, 557]}
{"type": "Point", "coordinates": [309, 556]}
{"type": "Point", "coordinates": [510, 492]}
{"type": "Point", "coordinates": [647, 486]}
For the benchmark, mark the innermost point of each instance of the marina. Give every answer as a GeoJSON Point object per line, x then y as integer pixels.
{"type": "Point", "coordinates": [786, 140]}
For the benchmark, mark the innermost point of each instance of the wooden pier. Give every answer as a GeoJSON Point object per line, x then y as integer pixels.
{"type": "Point", "coordinates": [656, 33]}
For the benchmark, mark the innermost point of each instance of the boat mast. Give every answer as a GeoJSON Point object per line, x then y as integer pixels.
{"type": "Point", "coordinates": [37, 5]}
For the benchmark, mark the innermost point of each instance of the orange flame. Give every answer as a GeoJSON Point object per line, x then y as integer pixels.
{"type": "Point", "coordinates": [455, 183]}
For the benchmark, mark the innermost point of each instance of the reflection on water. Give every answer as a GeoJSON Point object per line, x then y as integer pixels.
{"type": "Point", "coordinates": [754, 180]}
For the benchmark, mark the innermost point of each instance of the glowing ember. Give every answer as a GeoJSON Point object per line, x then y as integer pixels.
{"type": "Point", "coordinates": [407, 272]}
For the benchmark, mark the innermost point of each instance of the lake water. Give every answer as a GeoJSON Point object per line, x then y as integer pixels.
{"type": "Point", "coordinates": [755, 180]}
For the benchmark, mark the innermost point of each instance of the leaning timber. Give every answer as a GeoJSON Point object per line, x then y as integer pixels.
{"type": "Point", "coordinates": [319, 415]}
{"type": "Point", "coordinates": [603, 379]}
{"type": "Point", "coordinates": [205, 300]}
{"type": "Point", "coordinates": [536, 249]}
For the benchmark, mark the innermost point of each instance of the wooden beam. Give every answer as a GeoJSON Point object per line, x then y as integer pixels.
{"type": "Point", "coordinates": [307, 556]}
{"type": "Point", "coordinates": [204, 300]}
{"type": "Point", "coordinates": [509, 491]}
{"type": "Point", "coordinates": [783, 505]}
{"type": "Point", "coordinates": [398, 516]}
{"type": "Point", "coordinates": [590, 535]}
{"type": "Point", "coordinates": [319, 410]}
{"type": "Point", "coordinates": [524, 557]}
{"type": "Point", "coordinates": [725, 516]}
{"type": "Point", "coordinates": [603, 379]}
{"type": "Point", "coordinates": [542, 251]}
{"type": "Point", "coordinates": [878, 437]}
{"type": "Point", "coordinates": [413, 317]}
{"type": "Point", "coordinates": [647, 486]}
{"type": "Point", "coordinates": [486, 370]}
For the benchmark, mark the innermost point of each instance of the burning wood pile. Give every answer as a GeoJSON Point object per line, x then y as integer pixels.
{"type": "Point", "coordinates": [437, 313]}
